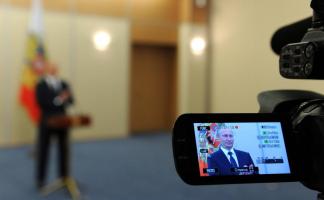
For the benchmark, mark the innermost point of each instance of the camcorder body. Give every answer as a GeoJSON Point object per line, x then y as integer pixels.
{"type": "Point", "coordinates": [304, 111]}
{"type": "Point", "coordinates": [283, 142]}
{"type": "Point", "coordinates": [303, 59]}
{"type": "Point", "coordinates": [267, 147]}
{"type": "Point", "coordinates": [260, 144]}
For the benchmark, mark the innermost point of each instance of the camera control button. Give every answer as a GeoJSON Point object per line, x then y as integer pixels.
{"type": "Point", "coordinates": [183, 157]}
{"type": "Point", "coordinates": [181, 140]}
{"type": "Point", "coordinates": [308, 69]}
{"type": "Point", "coordinates": [309, 51]}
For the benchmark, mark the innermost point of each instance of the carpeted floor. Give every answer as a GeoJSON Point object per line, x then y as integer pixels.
{"type": "Point", "coordinates": [135, 168]}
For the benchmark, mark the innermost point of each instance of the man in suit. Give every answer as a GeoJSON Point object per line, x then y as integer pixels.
{"type": "Point", "coordinates": [53, 96]}
{"type": "Point", "coordinates": [227, 159]}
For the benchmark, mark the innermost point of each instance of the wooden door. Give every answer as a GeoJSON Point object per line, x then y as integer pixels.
{"type": "Point", "coordinates": [153, 88]}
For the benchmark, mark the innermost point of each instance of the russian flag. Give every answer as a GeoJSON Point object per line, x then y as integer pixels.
{"type": "Point", "coordinates": [34, 62]}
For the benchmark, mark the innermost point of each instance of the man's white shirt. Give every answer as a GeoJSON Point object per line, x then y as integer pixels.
{"type": "Point", "coordinates": [53, 82]}
{"type": "Point", "coordinates": [56, 84]}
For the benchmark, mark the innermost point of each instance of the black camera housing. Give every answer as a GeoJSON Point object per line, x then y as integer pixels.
{"type": "Point", "coordinates": [305, 113]}
{"type": "Point", "coordinates": [303, 60]}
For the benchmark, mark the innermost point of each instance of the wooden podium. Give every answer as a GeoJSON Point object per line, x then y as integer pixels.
{"type": "Point", "coordinates": [64, 121]}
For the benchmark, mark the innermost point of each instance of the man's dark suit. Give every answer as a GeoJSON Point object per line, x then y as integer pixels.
{"type": "Point", "coordinates": [219, 161]}
{"type": "Point", "coordinates": [45, 95]}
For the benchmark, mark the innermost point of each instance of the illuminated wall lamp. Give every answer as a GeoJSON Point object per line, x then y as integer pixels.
{"type": "Point", "coordinates": [198, 45]}
{"type": "Point", "coordinates": [101, 40]}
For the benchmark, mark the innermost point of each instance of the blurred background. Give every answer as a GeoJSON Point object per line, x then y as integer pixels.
{"type": "Point", "coordinates": [130, 63]}
{"type": "Point", "coordinates": [135, 65]}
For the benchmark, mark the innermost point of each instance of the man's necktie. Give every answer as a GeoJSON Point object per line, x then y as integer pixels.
{"type": "Point", "coordinates": [233, 162]}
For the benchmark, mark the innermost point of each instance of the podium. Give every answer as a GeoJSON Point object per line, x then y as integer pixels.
{"type": "Point", "coordinates": [64, 121]}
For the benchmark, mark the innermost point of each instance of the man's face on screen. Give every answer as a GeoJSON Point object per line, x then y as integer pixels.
{"type": "Point", "coordinates": [227, 138]}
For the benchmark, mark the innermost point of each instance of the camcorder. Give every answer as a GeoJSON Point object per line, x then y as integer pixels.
{"type": "Point", "coordinates": [283, 142]}
{"type": "Point", "coordinates": [303, 60]}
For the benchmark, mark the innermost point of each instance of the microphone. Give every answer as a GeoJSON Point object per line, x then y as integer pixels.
{"type": "Point", "coordinates": [290, 34]}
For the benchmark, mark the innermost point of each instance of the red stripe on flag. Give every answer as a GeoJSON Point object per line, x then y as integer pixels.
{"type": "Point", "coordinates": [202, 165]}
{"type": "Point", "coordinates": [28, 100]}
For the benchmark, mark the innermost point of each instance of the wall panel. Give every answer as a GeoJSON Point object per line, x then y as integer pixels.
{"type": "Point", "coordinates": [101, 83]}
{"type": "Point", "coordinates": [153, 21]}
{"type": "Point", "coordinates": [192, 75]}
{"type": "Point", "coordinates": [243, 63]}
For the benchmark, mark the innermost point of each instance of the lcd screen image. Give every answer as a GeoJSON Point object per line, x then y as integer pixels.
{"type": "Point", "coordinates": [243, 148]}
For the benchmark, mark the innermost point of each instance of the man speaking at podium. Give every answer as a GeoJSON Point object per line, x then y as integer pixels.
{"type": "Point", "coordinates": [53, 96]}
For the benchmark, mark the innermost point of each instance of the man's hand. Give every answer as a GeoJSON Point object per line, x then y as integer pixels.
{"type": "Point", "coordinates": [65, 95]}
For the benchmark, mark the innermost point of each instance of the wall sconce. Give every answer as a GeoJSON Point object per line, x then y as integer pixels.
{"type": "Point", "coordinates": [198, 45]}
{"type": "Point", "coordinates": [101, 40]}
{"type": "Point", "coordinates": [201, 3]}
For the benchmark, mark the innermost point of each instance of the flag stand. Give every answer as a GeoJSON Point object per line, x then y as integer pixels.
{"type": "Point", "coordinates": [69, 183]}
{"type": "Point", "coordinates": [63, 121]}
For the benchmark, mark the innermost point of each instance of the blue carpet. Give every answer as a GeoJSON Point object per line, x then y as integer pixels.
{"type": "Point", "coordinates": [135, 168]}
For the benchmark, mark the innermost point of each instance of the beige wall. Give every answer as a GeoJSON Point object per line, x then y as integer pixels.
{"type": "Point", "coordinates": [102, 78]}
{"type": "Point", "coordinates": [2, 76]}
{"type": "Point", "coordinates": [99, 79]}
{"type": "Point", "coordinates": [191, 71]}
{"type": "Point", "coordinates": [242, 62]}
